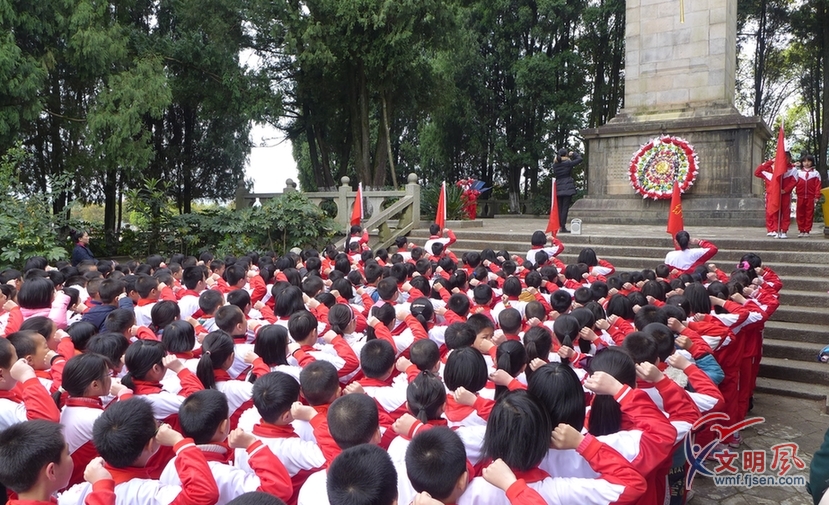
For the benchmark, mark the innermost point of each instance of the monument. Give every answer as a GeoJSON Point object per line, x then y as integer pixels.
{"type": "Point", "coordinates": [680, 70]}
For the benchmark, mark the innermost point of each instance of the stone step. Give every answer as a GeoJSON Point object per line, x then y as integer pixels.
{"type": "Point", "coordinates": [810, 284]}
{"type": "Point", "coordinates": [791, 350]}
{"type": "Point", "coordinates": [803, 298]}
{"type": "Point", "coordinates": [802, 315]}
{"type": "Point", "coordinates": [796, 332]}
{"type": "Point", "coordinates": [796, 371]}
{"type": "Point", "coordinates": [792, 389]}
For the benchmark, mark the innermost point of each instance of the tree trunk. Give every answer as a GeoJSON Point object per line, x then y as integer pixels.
{"type": "Point", "coordinates": [760, 60]}
{"type": "Point", "coordinates": [824, 104]}
{"type": "Point", "coordinates": [187, 166]}
{"type": "Point", "coordinates": [388, 141]}
{"type": "Point", "coordinates": [110, 197]}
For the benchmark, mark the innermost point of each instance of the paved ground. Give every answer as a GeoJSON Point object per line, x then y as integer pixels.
{"type": "Point", "coordinates": [802, 422]}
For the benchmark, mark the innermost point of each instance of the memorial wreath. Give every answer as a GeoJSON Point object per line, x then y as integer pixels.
{"type": "Point", "coordinates": [656, 165]}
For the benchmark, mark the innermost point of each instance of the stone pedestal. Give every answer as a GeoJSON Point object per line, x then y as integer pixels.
{"type": "Point", "coordinates": [679, 81]}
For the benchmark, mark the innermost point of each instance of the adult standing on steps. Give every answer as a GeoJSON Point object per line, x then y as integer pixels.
{"type": "Point", "coordinates": [565, 185]}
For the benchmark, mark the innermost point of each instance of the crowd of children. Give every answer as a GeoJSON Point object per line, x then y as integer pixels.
{"type": "Point", "coordinates": [372, 377]}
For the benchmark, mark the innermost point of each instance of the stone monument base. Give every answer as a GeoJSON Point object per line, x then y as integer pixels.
{"type": "Point", "coordinates": [728, 145]}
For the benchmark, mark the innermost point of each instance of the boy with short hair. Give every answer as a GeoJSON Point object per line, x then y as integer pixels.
{"type": "Point", "coordinates": [193, 280]}
{"type": "Point", "coordinates": [204, 418]}
{"type": "Point", "coordinates": [362, 475]}
{"type": "Point", "coordinates": [29, 400]}
{"type": "Point", "coordinates": [126, 436]}
{"type": "Point", "coordinates": [303, 329]}
{"type": "Point", "coordinates": [35, 463]}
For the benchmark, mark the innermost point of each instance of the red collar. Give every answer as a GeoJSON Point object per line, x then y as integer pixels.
{"type": "Point", "coordinates": [185, 355]}
{"type": "Point", "coordinates": [121, 475]}
{"type": "Point", "coordinates": [455, 411]}
{"type": "Point", "coordinates": [532, 475]}
{"type": "Point", "coordinates": [274, 431]}
{"type": "Point", "coordinates": [143, 302]}
{"type": "Point", "coordinates": [375, 383]}
{"type": "Point", "coordinates": [11, 395]}
{"type": "Point", "coordinates": [80, 401]}
{"type": "Point", "coordinates": [146, 387]}
{"type": "Point", "coordinates": [215, 452]}
{"type": "Point", "coordinates": [221, 375]}
{"type": "Point", "coordinates": [189, 292]}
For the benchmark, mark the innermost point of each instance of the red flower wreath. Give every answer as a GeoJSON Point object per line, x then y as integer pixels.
{"type": "Point", "coordinates": [656, 165]}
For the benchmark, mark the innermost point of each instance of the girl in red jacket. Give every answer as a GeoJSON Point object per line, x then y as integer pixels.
{"type": "Point", "coordinates": [807, 190]}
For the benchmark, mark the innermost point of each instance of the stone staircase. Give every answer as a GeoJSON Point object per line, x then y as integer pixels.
{"type": "Point", "coordinates": [793, 337]}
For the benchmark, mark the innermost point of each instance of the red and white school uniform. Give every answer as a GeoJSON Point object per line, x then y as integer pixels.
{"type": "Point", "coordinates": [448, 240]}
{"type": "Point", "coordinates": [134, 487]}
{"type": "Point", "coordinates": [239, 395]}
{"type": "Point", "coordinates": [688, 259]}
{"type": "Point", "coordinates": [188, 304]}
{"type": "Point", "coordinates": [268, 475]}
{"type": "Point", "coordinates": [26, 401]}
{"type": "Point", "coordinates": [807, 190]}
{"type": "Point", "coordinates": [552, 251]}
{"type": "Point", "coordinates": [619, 482]}
{"type": "Point", "coordinates": [778, 221]}
{"type": "Point", "coordinates": [459, 415]}
{"type": "Point", "coordinates": [315, 490]}
{"type": "Point", "coordinates": [300, 458]}
{"type": "Point", "coordinates": [142, 312]}
{"type": "Point", "coordinates": [103, 493]}
{"type": "Point", "coordinates": [339, 354]}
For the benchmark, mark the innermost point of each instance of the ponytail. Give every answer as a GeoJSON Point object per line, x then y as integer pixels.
{"type": "Point", "coordinates": [339, 317]}
{"type": "Point", "coordinates": [425, 397]}
{"type": "Point", "coordinates": [216, 349]}
{"type": "Point", "coordinates": [605, 412]}
{"type": "Point", "coordinates": [538, 342]}
{"type": "Point", "coordinates": [510, 357]}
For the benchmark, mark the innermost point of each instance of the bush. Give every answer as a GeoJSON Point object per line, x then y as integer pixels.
{"type": "Point", "coordinates": [454, 206]}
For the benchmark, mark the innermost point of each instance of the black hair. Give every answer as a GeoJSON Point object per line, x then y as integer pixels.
{"type": "Point", "coordinates": [515, 427]}
{"type": "Point", "coordinates": [583, 295]}
{"type": "Point", "coordinates": [377, 359]}
{"type": "Point", "coordinates": [567, 329]}
{"type": "Point", "coordinates": [319, 382]}
{"type": "Point", "coordinates": [534, 309]}
{"type": "Point", "coordinates": [698, 299]}
{"type": "Point", "coordinates": [256, 498]}
{"type": "Point", "coordinates": [217, 347]}
{"type": "Point", "coordinates": [192, 276]}
{"type": "Point", "coordinates": [353, 420]}
{"type": "Point", "coordinates": [227, 317]}
{"type": "Point", "coordinates": [387, 289]}
{"type": "Point", "coordinates": [426, 397]}
{"type": "Point", "coordinates": [424, 354]}
{"type": "Point", "coordinates": [648, 314]}
{"type": "Point", "coordinates": [7, 353]}
{"type": "Point", "coordinates": [362, 475]}
{"type": "Point", "coordinates": [422, 310]}
{"type": "Point", "coordinates": [339, 317]}
{"type": "Point", "coordinates": [201, 413]}
{"type": "Point", "coordinates": [210, 300]}
{"type": "Point", "coordinates": [163, 313]}
{"type": "Point", "coordinates": [560, 300]}
{"type": "Point", "coordinates": [654, 289]}
{"type": "Point", "coordinates": [313, 285]}
{"type": "Point", "coordinates": [465, 367]}
{"type": "Point", "coordinates": [435, 460]}
{"type": "Point", "coordinates": [179, 337]}
{"type": "Point", "coordinates": [80, 332]}
{"type": "Point", "coordinates": [144, 284]}
{"type": "Point", "coordinates": [482, 294]}
{"type": "Point", "coordinates": [80, 371]}
{"type": "Point", "coordinates": [24, 342]}
{"type": "Point", "coordinates": [599, 290]}
{"type": "Point", "coordinates": [273, 395]}
{"type": "Point", "coordinates": [586, 319]}
{"type": "Point", "coordinates": [123, 430]}
{"type": "Point", "coordinates": [682, 239]}
{"type": "Point", "coordinates": [510, 357]}
{"type": "Point", "coordinates": [636, 299]}
{"type": "Point", "coordinates": [664, 338]}
{"type": "Point", "coordinates": [588, 257]}
{"type": "Point", "coordinates": [109, 290]}
{"type": "Point", "coordinates": [539, 238]}
{"type": "Point", "coordinates": [620, 305]}
{"type": "Point", "coordinates": [120, 320]}
{"type": "Point", "coordinates": [25, 448]}
{"type": "Point", "coordinates": [141, 357]}
{"type": "Point", "coordinates": [39, 324]}
{"type": "Point", "coordinates": [271, 344]}
{"type": "Point", "coordinates": [239, 298]}
{"type": "Point", "coordinates": [479, 323]}
{"type": "Point", "coordinates": [538, 343]}
{"type": "Point", "coordinates": [36, 293]}
{"type": "Point", "coordinates": [301, 324]}
{"type": "Point", "coordinates": [559, 390]}
{"type": "Point", "coordinates": [641, 347]}
{"type": "Point", "coordinates": [234, 274]}
{"type": "Point", "coordinates": [36, 263]}
{"type": "Point", "coordinates": [512, 286]}
{"type": "Point", "coordinates": [385, 313]}
{"type": "Point", "coordinates": [605, 412]}
{"type": "Point", "coordinates": [510, 320]}
{"type": "Point", "coordinates": [110, 345]}
{"type": "Point", "coordinates": [459, 335]}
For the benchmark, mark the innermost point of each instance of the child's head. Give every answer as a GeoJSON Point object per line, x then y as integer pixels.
{"type": "Point", "coordinates": [583, 295]}
{"type": "Point", "coordinates": [210, 300]}
{"type": "Point", "coordinates": [515, 426]}
{"type": "Point", "coordinates": [163, 313]}
{"type": "Point", "coordinates": [273, 395]}
{"type": "Point", "coordinates": [510, 321]}
{"type": "Point", "coordinates": [425, 355]}
{"type": "Point", "coordinates": [482, 294]}
{"type": "Point", "coordinates": [217, 354]}
{"type": "Point", "coordinates": [31, 346]}
{"type": "Point", "coordinates": [512, 287]}
{"type": "Point", "coordinates": [203, 416]}
{"type": "Point", "coordinates": [147, 287]}
{"type": "Point", "coordinates": [119, 321]}
{"type": "Point", "coordinates": [42, 325]}
{"type": "Point", "coordinates": [539, 238]}
{"type": "Point", "coordinates": [110, 345]}
{"type": "Point", "coordinates": [86, 375]}
{"type": "Point", "coordinates": [144, 359]}
{"type": "Point", "coordinates": [354, 420]}
{"type": "Point", "coordinates": [124, 435]}
{"type": "Point", "coordinates": [620, 305]}
{"type": "Point", "coordinates": [193, 278]}
{"type": "Point", "coordinates": [80, 332]}
{"type": "Point", "coordinates": [567, 329]}
{"type": "Point", "coordinates": [426, 397]}
{"type": "Point", "coordinates": [36, 293]}
{"type": "Point", "coordinates": [459, 335]}
{"type": "Point", "coordinates": [303, 327]}
{"type": "Point", "coordinates": [34, 453]}
{"type": "Point", "coordinates": [664, 338]}
{"type": "Point", "coordinates": [387, 289]}
{"type": "Point", "coordinates": [538, 342]}
{"type": "Point", "coordinates": [465, 367]}
{"type": "Point", "coordinates": [512, 358]}
{"type": "Point", "coordinates": [319, 383]}
{"type": "Point", "coordinates": [230, 319]}
{"type": "Point", "coordinates": [648, 314]}
{"type": "Point", "coordinates": [561, 301]}
{"type": "Point", "coordinates": [341, 319]}
{"type": "Point", "coordinates": [256, 498]}
{"type": "Point", "coordinates": [271, 344]}
{"type": "Point", "coordinates": [436, 464]}
{"type": "Point", "coordinates": [239, 298]}
{"type": "Point", "coordinates": [179, 337]}
{"type": "Point", "coordinates": [641, 347]}
{"type": "Point", "coordinates": [362, 475]}
{"type": "Point", "coordinates": [557, 387]}
{"type": "Point", "coordinates": [377, 359]}
{"type": "Point", "coordinates": [288, 301]}
{"type": "Point", "coordinates": [605, 413]}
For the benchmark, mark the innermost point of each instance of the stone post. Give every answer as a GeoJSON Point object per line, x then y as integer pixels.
{"type": "Point", "coordinates": [343, 209]}
{"type": "Point", "coordinates": [239, 197]}
{"type": "Point", "coordinates": [413, 189]}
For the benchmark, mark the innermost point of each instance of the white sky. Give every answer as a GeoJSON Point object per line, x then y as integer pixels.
{"type": "Point", "coordinates": [271, 161]}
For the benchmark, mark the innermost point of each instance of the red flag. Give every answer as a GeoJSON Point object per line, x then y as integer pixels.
{"type": "Point", "coordinates": [781, 164]}
{"type": "Point", "coordinates": [675, 221]}
{"type": "Point", "coordinates": [440, 215]}
{"type": "Point", "coordinates": [357, 209]}
{"type": "Point", "coordinates": [552, 223]}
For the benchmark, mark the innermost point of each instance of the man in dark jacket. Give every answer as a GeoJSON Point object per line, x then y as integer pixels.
{"type": "Point", "coordinates": [565, 184]}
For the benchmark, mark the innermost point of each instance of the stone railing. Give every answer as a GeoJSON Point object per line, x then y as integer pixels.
{"type": "Point", "coordinates": [387, 214]}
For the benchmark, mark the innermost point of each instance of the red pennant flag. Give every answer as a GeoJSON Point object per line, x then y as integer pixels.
{"type": "Point", "coordinates": [553, 224]}
{"type": "Point", "coordinates": [357, 209]}
{"type": "Point", "coordinates": [781, 164]}
{"type": "Point", "coordinates": [440, 215]}
{"type": "Point", "coordinates": [675, 221]}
